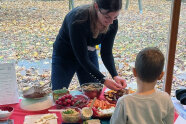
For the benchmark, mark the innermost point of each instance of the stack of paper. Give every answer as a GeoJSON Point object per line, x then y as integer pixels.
{"type": "Point", "coordinates": [8, 84]}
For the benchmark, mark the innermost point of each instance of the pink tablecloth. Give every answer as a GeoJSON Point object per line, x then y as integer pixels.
{"type": "Point", "coordinates": [19, 114]}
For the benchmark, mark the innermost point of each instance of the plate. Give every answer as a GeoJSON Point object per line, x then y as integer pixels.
{"type": "Point", "coordinates": [36, 104]}
{"type": "Point", "coordinates": [79, 101]}
{"type": "Point", "coordinates": [104, 115]}
{"type": "Point", "coordinates": [112, 96]}
{"type": "Point", "coordinates": [102, 108]}
{"type": "Point", "coordinates": [30, 119]}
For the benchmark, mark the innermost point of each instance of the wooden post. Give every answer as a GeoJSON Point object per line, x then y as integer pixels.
{"type": "Point", "coordinates": [172, 44]}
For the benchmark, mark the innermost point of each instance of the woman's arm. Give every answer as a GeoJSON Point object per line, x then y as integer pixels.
{"type": "Point", "coordinates": [107, 56]}
{"type": "Point", "coordinates": [106, 49]}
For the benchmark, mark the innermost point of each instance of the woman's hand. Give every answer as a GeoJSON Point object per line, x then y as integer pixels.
{"type": "Point", "coordinates": [112, 85]}
{"type": "Point", "coordinates": [121, 81]}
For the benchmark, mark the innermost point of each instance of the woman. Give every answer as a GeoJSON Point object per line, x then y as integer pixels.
{"type": "Point", "coordinates": [74, 48]}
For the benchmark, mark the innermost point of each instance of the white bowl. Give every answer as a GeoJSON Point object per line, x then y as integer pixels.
{"type": "Point", "coordinates": [86, 113]}
{"type": "Point", "coordinates": [5, 112]}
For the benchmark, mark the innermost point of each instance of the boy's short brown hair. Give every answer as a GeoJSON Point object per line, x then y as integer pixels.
{"type": "Point", "coordinates": [149, 64]}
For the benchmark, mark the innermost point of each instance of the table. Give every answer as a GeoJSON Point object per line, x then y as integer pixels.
{"type": "Point", "coordinates": [181, 110]}
{"type": "Point", "coordinates": [19, 114]}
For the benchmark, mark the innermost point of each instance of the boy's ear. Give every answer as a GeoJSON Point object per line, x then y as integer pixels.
{"type": "Point", "coordinates": [134, 72]}
{"type": "Point", "coordinates": [161, 75]}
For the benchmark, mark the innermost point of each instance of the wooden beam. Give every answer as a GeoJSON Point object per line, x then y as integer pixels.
{"type": "Point", "coordinates": [175, 14]}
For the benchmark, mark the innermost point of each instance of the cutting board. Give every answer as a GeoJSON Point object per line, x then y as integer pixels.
{"type": "Point", "coordinates": [30, 119]}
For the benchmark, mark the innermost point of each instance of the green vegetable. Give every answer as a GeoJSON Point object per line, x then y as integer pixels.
{"type": "Point", "coordinates": [68, 112]}
{"type": "Point", "coordinates": [64, 90]}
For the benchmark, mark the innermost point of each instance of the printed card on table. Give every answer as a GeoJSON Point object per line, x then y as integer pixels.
{"type": "Point", "coordinates": [8, 84]}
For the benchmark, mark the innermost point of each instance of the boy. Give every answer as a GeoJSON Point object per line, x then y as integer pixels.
{"type": "Point", "coordinates": [147, 105]}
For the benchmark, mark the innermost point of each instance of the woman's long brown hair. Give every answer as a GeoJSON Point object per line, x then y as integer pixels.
{"type": "Point", "coordinates": [94, 22]}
